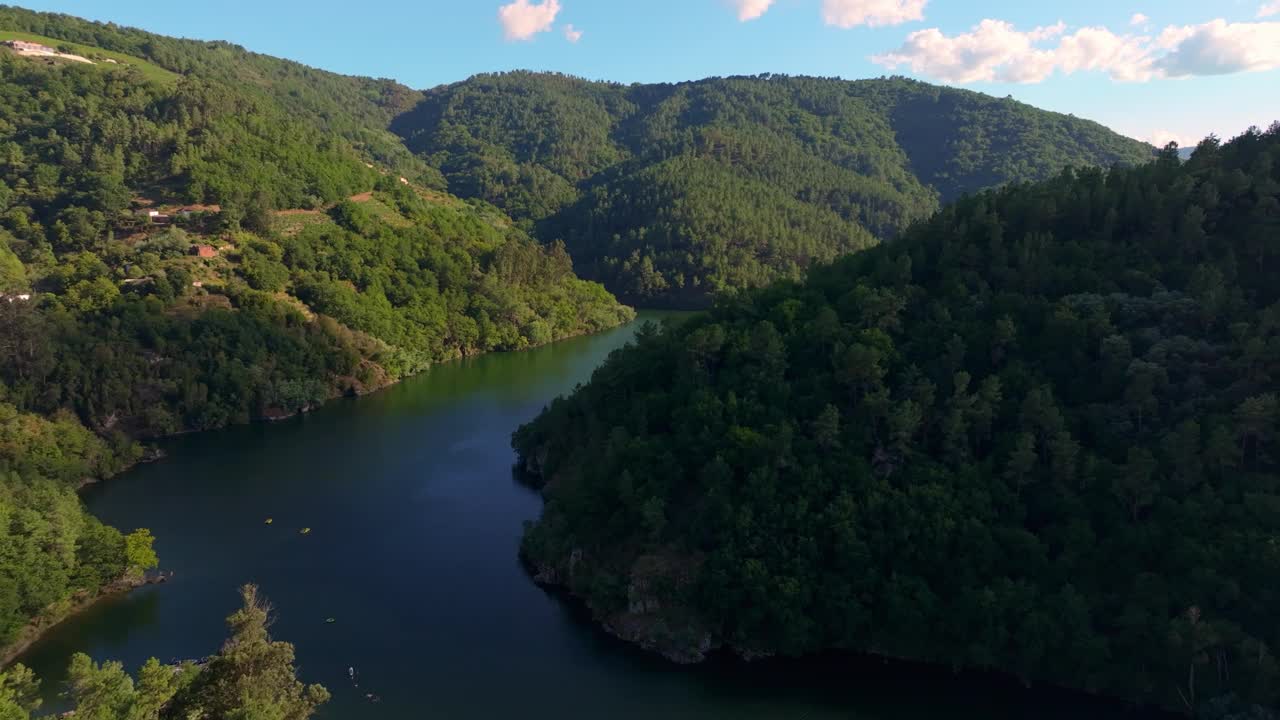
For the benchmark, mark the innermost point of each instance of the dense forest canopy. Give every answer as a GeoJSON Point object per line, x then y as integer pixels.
{"type": "Point", "coordinates": [671, 193]}
{"type": "Point", "coordinates": [356, 109]}
{"type": "Point", "coordinates": [1036, 434]}
{"type": "Point", "coordinates": [299, 252]}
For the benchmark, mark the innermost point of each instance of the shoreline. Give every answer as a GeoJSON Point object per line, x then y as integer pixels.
{"type": "Point", "coordinates": [714, 651]}
{"type": "Point", "coordinates": [680, 638]}
{"type": "Point", "coordinates": [152, 453]}
{"type": "Point", "coordinates": [41, 624]}
{"type": "Point", "coordinates": [917, 675]}
{"type": "Point", "coordinates": [271, 416]}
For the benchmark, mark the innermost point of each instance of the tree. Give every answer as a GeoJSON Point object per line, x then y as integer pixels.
{"type": "Point", "coordinates": [1255, 419]}
{"type": "Point", "coordinates": [1136, 486]}
{"type": "Point", "coordinates": [19, 693]}
{"type": "Point", "coordinates": [13, 276]}
{"type": "Point", "coordinates": [1022, 461]}
{"type": "Point", "coordinates": [99, 692]}
{"type": "Point", "coordinates": [139, 551]}
{"type": "Point", "coordinates": [826, 427]}
{"type": "Point", "coordinates": [252, 677]}
{"type": "Point", "coordinates": [156, 687]}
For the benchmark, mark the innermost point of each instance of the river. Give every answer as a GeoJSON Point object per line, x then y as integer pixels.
{"type": "Point", "coordinates": [415, 523]}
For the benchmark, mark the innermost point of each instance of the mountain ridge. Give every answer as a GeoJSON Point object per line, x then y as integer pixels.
{"type": "Point", "coordinates": [568, 158]}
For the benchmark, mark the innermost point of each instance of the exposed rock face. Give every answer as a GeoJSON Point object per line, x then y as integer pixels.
{"type": "Point", "coordinates": [683, 644]}
{"type": "Point", "coordinates": [654, 618]}
{"type": "Point", "coordinates": [641, 600]}
{"type": "Point", "coordinates": [546, 575]}
{"type": "Point", "coordinates": [535, 462]}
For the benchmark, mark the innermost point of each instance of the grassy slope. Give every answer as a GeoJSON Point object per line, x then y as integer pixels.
{"type": "Point", "coordinates": [150, 71]}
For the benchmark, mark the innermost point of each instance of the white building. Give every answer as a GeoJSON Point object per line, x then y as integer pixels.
{"type": "Point", "coordinates": [24, 46]}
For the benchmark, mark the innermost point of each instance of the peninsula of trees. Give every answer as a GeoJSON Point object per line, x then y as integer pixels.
{"type": "Point", "coordinates": [1036, 434]}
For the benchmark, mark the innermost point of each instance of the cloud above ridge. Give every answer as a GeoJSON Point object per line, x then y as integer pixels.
{"type": "Point", "coordinates": [522, 19]}
{"type": "Point", "coordinates": [996, 51]}
{"type": "Point", "coordinates": [750, 9]}
{"type": "Point", "coordinates": [872, 13]}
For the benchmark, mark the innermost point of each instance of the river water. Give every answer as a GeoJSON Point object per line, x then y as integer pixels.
{"type": "Point", "coordinates": [415, 522]}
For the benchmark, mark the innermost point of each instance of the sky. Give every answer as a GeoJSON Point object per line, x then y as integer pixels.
{"type": "Point", "coordinates": [1157, 70]}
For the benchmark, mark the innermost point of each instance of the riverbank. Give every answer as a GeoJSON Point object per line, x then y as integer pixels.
{"type": "Point", "coordinates": [149, 453]}
{"type": "Point", "coordinates": [348, 387]}
{"type": "Point", "coordinates": [63, 611]}
{"type": "Point", "coordinates": [662, 629]}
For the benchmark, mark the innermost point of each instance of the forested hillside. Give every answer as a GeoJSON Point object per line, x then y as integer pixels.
{"type": "Point", "coordinates": [671, 193]}
{"type": "Point", "coordinates": [352, 108]}
{"type": "Point", "coordinates": [1036, 434]}
{"type": "Point", "coordinates": [191, 236]}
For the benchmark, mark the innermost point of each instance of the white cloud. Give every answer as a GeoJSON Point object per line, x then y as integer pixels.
{"type": "Point", "coordinates": [572, 34]}
{"type": "Point", "coordinates": [1269, 9]}
{"type": "Point", "coordinates": [1220, 48]}
{"type": "Point", "coordinates": [995, 51]}
{"type": "Point", "coordinates": [1138, 19]}
{"type": "Point", "coordinates": [523, 19]}
{"type": "Point", "coordinates": [873, 13]}
{"type": "Point", "coordinates": [751, 9]}
{"type": "Point", "coordinates": [1160, 138]}
{"type": "Point", "coordinates": [1124, 57]}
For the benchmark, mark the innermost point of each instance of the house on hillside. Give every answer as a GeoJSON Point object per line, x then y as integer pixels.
{"type": "Point", "coordinates": [190, 210]}
{"type": "Point", "coordinates": [204, 251]}
{"type": "Point", "coordinates": [159, 218]}
{"type": "Point", "coordinates": [24, 297]}
{"type": "Point", "coordinates": [24, 46]}
{"type": "Point", "coordinates": [30, 49]}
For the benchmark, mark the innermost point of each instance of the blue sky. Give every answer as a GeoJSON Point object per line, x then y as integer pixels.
{"type": "Point", "coordinates": [1148, 68]}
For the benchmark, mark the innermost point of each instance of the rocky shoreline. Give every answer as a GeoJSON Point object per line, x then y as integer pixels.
{"type": "Point", "coordinates": [650, 621]}
{"type": "Point", "coordinates": [62, 612]}
{"type": "Point", "coordinates": [644, 624]}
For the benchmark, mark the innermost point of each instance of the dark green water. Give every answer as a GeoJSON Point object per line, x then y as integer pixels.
{"type": "Point", "coordinates": [416, 520]}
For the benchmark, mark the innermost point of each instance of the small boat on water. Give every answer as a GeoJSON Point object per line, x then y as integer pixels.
{"type": "Point", "coordinates": [305, 531]}
{"type": "Point", "coordinates": [270, 520]}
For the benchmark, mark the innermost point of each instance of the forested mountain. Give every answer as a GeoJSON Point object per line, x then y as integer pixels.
{"type": "Point", "coordinates": [1036, 434]}
{"type": "Point", "coordinates": [353, 108]}
{"type": "Point", "coordinates": [192, 235]}
{"type": "Point", "coordinates": [668, 193]}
